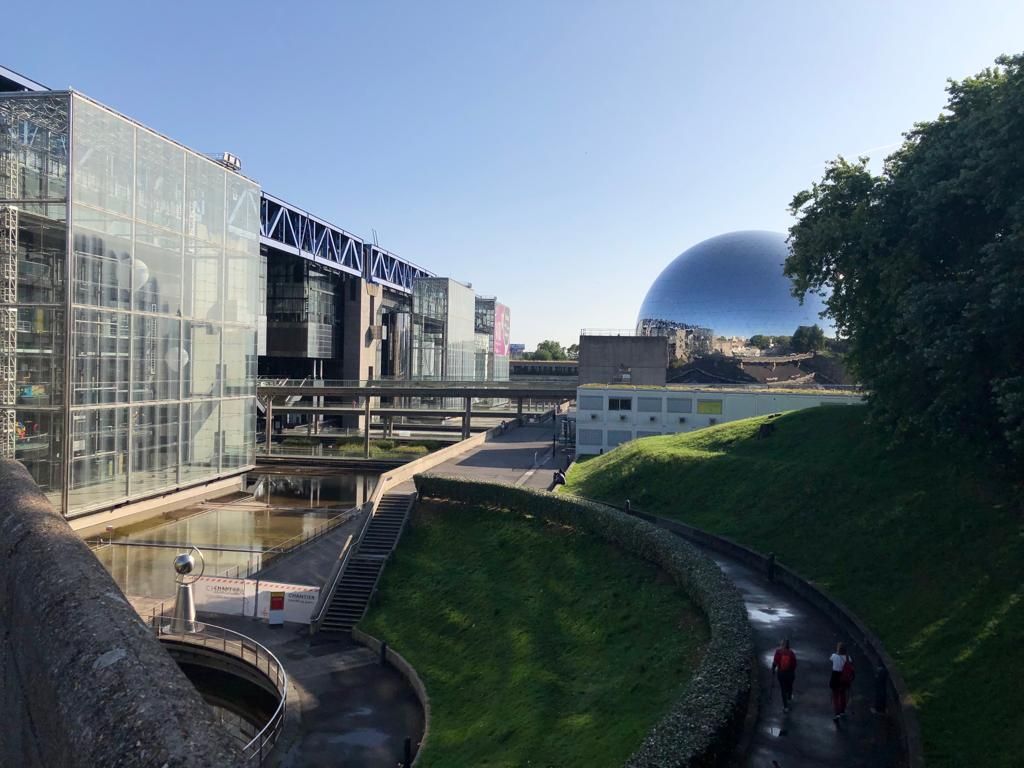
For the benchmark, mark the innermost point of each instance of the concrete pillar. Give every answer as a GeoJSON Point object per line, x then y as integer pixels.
{"type": "Point", "coordinates": [467, 417]}
{"type": "Point", "coordinates": [366, 428]}
{"type": "Point", "coordinates": [519, 410]}
{"type": "Point", "coordinates": [270, 423]}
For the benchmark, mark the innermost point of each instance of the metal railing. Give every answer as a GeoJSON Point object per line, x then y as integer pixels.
{"type": "Point", "coordinates": [251, 652]}
{"type": "Point", "coordinates": [290, 545]}
{"type": "Point", "coordinates": [327, 593]}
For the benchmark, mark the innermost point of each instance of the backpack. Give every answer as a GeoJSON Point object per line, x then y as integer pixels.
{"type": "Point", "coordinates": [786, 659]}
{"type": "Point", "coordinates": [847, 674]}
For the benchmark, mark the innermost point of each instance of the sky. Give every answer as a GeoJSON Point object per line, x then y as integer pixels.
{"type": "Point", "coordinates": [555, 154]}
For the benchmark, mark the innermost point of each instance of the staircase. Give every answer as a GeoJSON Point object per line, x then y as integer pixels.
{"type": "Point", "coordinates": [362, 571]}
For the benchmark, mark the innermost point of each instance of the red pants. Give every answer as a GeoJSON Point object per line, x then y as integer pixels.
{"type": "Point", "coordinates": [839, 700]}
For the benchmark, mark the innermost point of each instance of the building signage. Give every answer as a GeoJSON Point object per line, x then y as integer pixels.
{"type": "Point", "coordinates": [502, 329]}
{"type": "Point", "coordinates": [276, 614]}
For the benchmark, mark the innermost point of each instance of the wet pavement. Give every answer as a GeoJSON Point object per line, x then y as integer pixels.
{"type": "Point", "coordinates": [807, 736]}
{"type": "Point", "coordinates": [344, 709]}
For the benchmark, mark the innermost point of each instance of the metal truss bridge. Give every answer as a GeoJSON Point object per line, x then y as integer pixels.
{"type": "Point", "coordinates": [290, 229]}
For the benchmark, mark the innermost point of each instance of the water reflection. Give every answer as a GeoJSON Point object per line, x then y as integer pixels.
{"type": "Point", "coordinates": [233, 533]}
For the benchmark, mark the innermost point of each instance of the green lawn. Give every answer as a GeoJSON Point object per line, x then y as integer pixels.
{"type": "Point", "coordinates": [539, 645]}
{"type": "Point", "coordinates": [925, 545]}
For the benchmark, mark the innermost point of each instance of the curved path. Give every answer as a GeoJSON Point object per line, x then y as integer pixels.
{"type": "Point", "coordinates": [807, 735]}
{"type": "Point", "coordinates": [344, 709]}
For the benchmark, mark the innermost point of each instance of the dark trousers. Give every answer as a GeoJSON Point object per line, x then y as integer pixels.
{"type": "Point", "coordinates": [786, 679]}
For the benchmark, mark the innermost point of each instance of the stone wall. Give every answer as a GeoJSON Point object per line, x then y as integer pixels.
{"type": "Point", "coordinates": [84, 682]}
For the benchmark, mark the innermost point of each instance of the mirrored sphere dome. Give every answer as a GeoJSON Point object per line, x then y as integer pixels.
{"type": "Point", "coordinates": [732, 284]}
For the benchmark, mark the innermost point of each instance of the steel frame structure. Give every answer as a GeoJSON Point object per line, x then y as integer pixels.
{"type": "Point", "coordinates": [285, 227]}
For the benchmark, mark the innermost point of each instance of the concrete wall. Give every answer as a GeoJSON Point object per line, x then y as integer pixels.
{"type": "Point", "coordinates": [84, 681]}
{"type": "Point", "coordinates": [606, 359]}
{"type": "Point", "coordinates": [668, 410]}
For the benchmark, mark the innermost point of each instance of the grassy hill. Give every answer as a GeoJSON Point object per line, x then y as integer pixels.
{"type": "Point", "coordinates": [926, 546]}
{"type": "Point", "coordinates": [538, 644]}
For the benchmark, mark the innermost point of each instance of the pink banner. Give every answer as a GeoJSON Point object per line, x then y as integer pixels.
{"type": "Point", "coordinates": [502, 329]}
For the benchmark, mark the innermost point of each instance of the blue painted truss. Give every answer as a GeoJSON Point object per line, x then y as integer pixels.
{"type": "Point", "coordinates": [286, 228]}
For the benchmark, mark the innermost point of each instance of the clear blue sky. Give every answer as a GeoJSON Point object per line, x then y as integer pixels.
{"type": "Point", "coordinates": [557, 154]}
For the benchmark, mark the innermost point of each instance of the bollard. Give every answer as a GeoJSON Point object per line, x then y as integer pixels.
{"type": "Point", "coordinates": [627, 507]}
{"type": "Point", "coordinates": [383, 654]}
{"type": "Point", "coordinates": [770, 566]}
{"type": "Point", "coordinates": [881, 690]}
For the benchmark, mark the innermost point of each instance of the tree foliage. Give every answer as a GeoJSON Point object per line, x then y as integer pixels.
{"type": "Point", "coordinates": [760, 341]}
{"type": "Point", "coordinates": [547, 350]}
{"type": "Point", "coordinates": [808, 338]}
{"type": "Point", "coordinates": [926, 266]}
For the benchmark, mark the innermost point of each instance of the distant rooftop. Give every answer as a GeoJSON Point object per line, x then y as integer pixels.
{"type": "Point", "coordinates": [715, 389]}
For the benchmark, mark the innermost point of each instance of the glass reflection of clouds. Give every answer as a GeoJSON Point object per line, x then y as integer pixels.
{"type": "Point", "coordinates": [734, 285]}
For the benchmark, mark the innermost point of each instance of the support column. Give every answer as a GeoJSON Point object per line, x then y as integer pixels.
{"type": "Point", "coordinates": [519, 410]}
{"type": "Point", "coordinates": [366, 428]}
{"type": "Point", "coordinates": [467, 417]}
{"type": "Point", "coordinates": [270, 423]}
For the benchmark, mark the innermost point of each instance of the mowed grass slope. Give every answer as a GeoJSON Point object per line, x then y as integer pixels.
{"type": "Point", "coordinates": [538, 645]}
{"type": "Point", "coordinates": [926, 546]}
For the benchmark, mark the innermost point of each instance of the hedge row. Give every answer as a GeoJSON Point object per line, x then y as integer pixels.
{"type": "Point", "coordinates": [702, 724]}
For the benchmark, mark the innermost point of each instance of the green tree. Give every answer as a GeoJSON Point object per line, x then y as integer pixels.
{"type": "Point", "coordinates": [925, 263]}
{"type": "Point", "coordinates": [808, 338]}
{"type": "Point", "coordinates": [760, 341]}
{"type": "Point", "coordinates": [552, 349]}
{"type": "Point", "coordinates": [573, 351]}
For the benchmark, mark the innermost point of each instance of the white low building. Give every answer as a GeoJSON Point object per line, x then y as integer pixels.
{"type": "Point", "coordinates": [609, 415]}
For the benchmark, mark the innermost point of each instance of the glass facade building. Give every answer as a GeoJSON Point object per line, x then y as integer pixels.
{"type": "Point", "coordinates": [443, 331]}
{"type": "Point", "coordinates": [130, 305]}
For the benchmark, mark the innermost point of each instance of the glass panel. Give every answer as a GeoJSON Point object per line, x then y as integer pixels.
{"type": "Point", "coordinates": [619, 436]}
{"type": "Point", "coordinates": [241, 287]}
{"type": "Point", "coordinates": [159, 181]}
{"type": "Point", "coordinates": [591, 436]}
{"type": "Point", "coordinates": [239, 423]}
{"type": "Point", "coordinates": [154, 447]}
{"type": "Point", "coordinates": [649, 404]}
{"type": "Point", "coordinates": [204, 195]}
{"type": "Point", "coordinates": [156, 358]}
{"type": "Point", "coordinates": [39, 360]}
{"type": "Point", "coordinates": [239, 360]}
{"type": "Point", "coordinates": [157, 273]}
{"type": "Point", "coordinates": [104, 159]}
{"type": "Point", "coordinates": [201, 360]}
{"type": "Point", "coordinates": [713, 407]}
{"type": "Point", "coordinates": [200, 431]}
{"type": "Point", "coordinates": [243, 209]}
{"type": "Point", "coordinates": [103, 258]}
{"type": "Point", "coordinates": [680, 405]}
{"type": "Point", "coordinates": [99, 365]}
{"type": "Point", "coordinates": [99, 459]}
{"type": "Point", "coordinates": [591, 403]}
{"type": "Point", "coordinates": [202, 280]}
{"type": "Point", "coordinates": [33, 245]}
{"type": "Point", "coordinates": [34, 146]}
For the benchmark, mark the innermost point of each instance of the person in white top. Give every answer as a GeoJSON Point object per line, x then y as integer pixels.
{"type": "Point", "coordinates": [840, 680]}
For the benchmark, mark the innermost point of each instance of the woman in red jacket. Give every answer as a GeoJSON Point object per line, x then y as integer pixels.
{"type": "Point", "coordinates": [784, 667]}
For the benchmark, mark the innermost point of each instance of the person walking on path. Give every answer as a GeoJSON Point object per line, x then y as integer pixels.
{"type": "Point", "coordinates": [784, 667]}
{"type": "Point", "coordinates": [840, 680]}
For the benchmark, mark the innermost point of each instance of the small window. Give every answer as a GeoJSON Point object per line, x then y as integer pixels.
{"type": "Point", "coordinates": [590, 436]}
{"type": "Point", "coordinates": [648, 404]}
{"type": "Point", "coordinates": [710, 407]}
{"type": "Point", "coordinates": [620, 403]}
{"type": "Point", "coordinates": [680, 405]}
{"type": "Point", "coordinates": [591, 403]}
{"type": "Point", "coordinates": [619, 436]}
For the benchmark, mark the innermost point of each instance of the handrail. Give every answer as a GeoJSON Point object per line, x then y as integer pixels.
{"type": "Point", "coordinates": [324, 597]}
{"type": "Point", "coordinates": [301, 538]}
{"type": "Point", "coordinates": [260, 745]}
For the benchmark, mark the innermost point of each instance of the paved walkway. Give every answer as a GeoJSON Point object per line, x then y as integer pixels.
{"type": "Point", "coordinates": [807, 735]}
{"type": "Point", "coordinates": [522, 456]}
{"type": "Point", "coordinates": [343, 707]}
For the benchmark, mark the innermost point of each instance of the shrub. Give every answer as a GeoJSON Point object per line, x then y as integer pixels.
{"type": "Point", "coordinates": [700, 726]}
